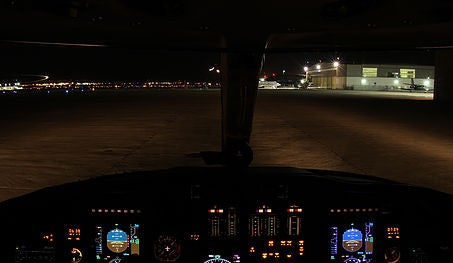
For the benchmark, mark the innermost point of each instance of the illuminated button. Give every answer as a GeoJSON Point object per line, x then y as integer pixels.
{"type": "Point", "coordinates": [195, 237]}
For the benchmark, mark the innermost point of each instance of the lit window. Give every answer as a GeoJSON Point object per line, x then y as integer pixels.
{"type": "Point", "coordinates": [369, 72]}
{"type": "Point", "coordinates": [407, 73]}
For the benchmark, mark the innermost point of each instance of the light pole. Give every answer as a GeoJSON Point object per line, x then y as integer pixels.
{"type": "Point", "coordinates": [306, 73]}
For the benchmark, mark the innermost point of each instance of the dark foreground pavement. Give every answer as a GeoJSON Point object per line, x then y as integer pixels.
{"type": "Point", "coordinates": [52, 139]}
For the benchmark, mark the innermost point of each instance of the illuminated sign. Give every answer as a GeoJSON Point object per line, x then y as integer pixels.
{"type": "Point", "coordinates": [369, 72]}
{"type": "Point", "coordinates": [407, 73]}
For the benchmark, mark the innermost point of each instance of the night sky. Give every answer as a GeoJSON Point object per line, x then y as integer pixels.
{"type": "Point", "coordinates": [134, 64]}
{"type": "Point", "coordinates": [110, 64]}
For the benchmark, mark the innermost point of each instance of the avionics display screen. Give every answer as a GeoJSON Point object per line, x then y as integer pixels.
{"type": "Point", "coordinates": [116, 242]}
{"type": "Point", "coordinates": [216, 258]}
{"type": "Point", "coordinates": [352, 243]}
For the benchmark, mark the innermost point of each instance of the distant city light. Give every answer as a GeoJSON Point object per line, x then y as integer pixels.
{"type": "Point", "coordinates": [318, 67]}
{"type": "Point", "coordinates": [426, 82]}
{"type": "Point", "coordinates": [305, 68]}
{"type": "Point", "coordinates": [211, 69]}
{"type": "Point", "coordinates": [336, 64]}
{"type": "Point", "coordinates": [363, 81]}
{"type": "Point", "coordinates": [217, 70]}
{"type": "Point", "coordinates": [396, 82]}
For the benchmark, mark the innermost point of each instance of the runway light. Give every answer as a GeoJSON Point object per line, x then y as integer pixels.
{"type": "Point", "coordinates": [336, 64]}
{"type": "Point", "coordinates": [363, 81]}
{"type": "Point", "coordinates": [318, 66]}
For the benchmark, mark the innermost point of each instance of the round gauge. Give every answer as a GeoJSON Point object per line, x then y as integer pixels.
{"type": "Point", "coordinates": [217, 260]}
{"type": "Point", "coordinates": [167, 249]}
{"type": "Point", "coordinates": [352, 240]}
{"type": "Point", "coordinates": [352, 260]}
{"type": "Point", "coordinates": [117, 240]}
{"type": "Point", "coordinates": [76, 255]}
{"type": "Point", "coordinates": [392, 255]}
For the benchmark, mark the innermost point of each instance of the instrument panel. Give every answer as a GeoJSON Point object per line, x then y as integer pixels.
{"type": "Point", "coordinates": [201, 221]}
{"type": "Point", "coordinates": [272, 234]}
